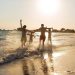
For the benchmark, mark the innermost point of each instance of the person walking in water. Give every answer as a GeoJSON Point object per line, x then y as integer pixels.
{"type": "Point", "coordinates": [42, 29]}
{"type": "Point", "coordinates": [49, 34]}
{"type": "Point", "coordinates": [24, 38]}
{"type": "Point", "coordinates": [31, 37]}
{"type": "Point", "coordinates": [49, 39]}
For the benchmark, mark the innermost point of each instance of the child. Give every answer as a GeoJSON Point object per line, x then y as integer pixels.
{"type": "Point", "coordinates": [24, 38]}
{"type": "Point", "coordinates": [31, 36]}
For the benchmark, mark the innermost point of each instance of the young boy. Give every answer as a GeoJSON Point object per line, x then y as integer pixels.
{"type": "Point", "coordinates": [49, 34]}
{"type": "Point", "coordinates": [31, 37]}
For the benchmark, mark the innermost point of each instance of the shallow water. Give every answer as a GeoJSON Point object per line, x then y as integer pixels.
{"type": "Point", "coordinates": [63, 56]}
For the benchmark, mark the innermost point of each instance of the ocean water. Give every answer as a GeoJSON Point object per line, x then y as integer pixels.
{"type": "Point", "coordinates": [63, 45]}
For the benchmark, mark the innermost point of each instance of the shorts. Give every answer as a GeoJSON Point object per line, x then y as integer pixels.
{"type": "Point", "coordinates": [42, 38]}
{"type": "Point", "coordinates": [24, 39]}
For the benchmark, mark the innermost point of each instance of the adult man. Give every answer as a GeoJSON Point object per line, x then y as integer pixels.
{"type": "Point", "coordinates": [42, 29]}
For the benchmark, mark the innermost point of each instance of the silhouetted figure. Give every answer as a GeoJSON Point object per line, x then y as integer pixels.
{"type": "Point", "coordinates": [31, 36]}
{"type": "Point", "coordinates": [42, 29]}
{"type": "Point", "coordinates": [49, 33]}
{"type": "Point", "coordinates": [50, 39]}
{"type": "Point", "coordinates": [24, 38]}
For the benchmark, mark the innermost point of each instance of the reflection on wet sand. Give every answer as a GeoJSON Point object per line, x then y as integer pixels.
{"type": "Point", "coordinates": [41, 64]}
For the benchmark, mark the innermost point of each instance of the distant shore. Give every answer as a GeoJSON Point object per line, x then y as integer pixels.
{"type": "Point", "coordinates": [52, 31]}
{"type": "Point", "coordinates": [62, 30]}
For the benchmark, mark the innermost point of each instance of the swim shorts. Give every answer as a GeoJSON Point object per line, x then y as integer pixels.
{"type": "Point", "coordinates": [42, 37]}
{"type": "Point", "coordinates": [24, 39]}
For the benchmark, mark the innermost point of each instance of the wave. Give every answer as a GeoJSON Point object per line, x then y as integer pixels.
{"type": "Point", "coordinates": [2, 39]}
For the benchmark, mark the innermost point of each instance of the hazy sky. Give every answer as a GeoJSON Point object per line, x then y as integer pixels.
{"type": "Point", "coordinates": [35, 12]}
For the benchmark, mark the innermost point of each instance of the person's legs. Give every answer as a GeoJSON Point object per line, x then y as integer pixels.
{"type": "Point", "coordinates": [43, 40]}
{"type": "Point", "coordinates": [25, 39]}
{"type": "Point", "coordinates": [40, 40]}
{"type": "Point", "coordinates": [30, 40]}
{"type": "Point", "coordinates": [22, 42]}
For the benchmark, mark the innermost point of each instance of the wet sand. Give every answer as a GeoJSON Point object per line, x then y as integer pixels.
{"type": "Point", "coordinates": [13, 68]}
{"type": "Point", "coordinates": [57, 63]}
{"type": "Point", "coordinates": [32, 65]}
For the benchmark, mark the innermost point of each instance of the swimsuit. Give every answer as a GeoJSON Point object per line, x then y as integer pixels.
{"type": "Point", "coordinates": [42, 37]}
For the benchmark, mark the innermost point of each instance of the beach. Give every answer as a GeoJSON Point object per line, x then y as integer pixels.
{"type": "Point", "coordinates": [60, 62]}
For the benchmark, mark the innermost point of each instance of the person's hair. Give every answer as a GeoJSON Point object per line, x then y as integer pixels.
{"type": "Point", "coordinates": [42, 25]}
{"type": "Point", "coordinates": [24, 26]}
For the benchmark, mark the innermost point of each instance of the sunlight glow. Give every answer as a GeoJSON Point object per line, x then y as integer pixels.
{"type": "Point", "coordinates": [48, 6]}
{"type": "Point", "coordinates": [54, 73]}
{"type": "Point", "coordinates": [46, 56]}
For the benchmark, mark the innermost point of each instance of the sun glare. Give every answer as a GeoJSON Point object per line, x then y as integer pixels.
{"type": "Point", "coordinates": [56, 55]}
{"type": "Point", "coordinates": [48, 6]}
{"type": "Point", "coordinates": [46, 56]}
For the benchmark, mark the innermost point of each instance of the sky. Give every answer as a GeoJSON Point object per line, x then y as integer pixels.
{"type": "Point", "coordinates": [52, 13]}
